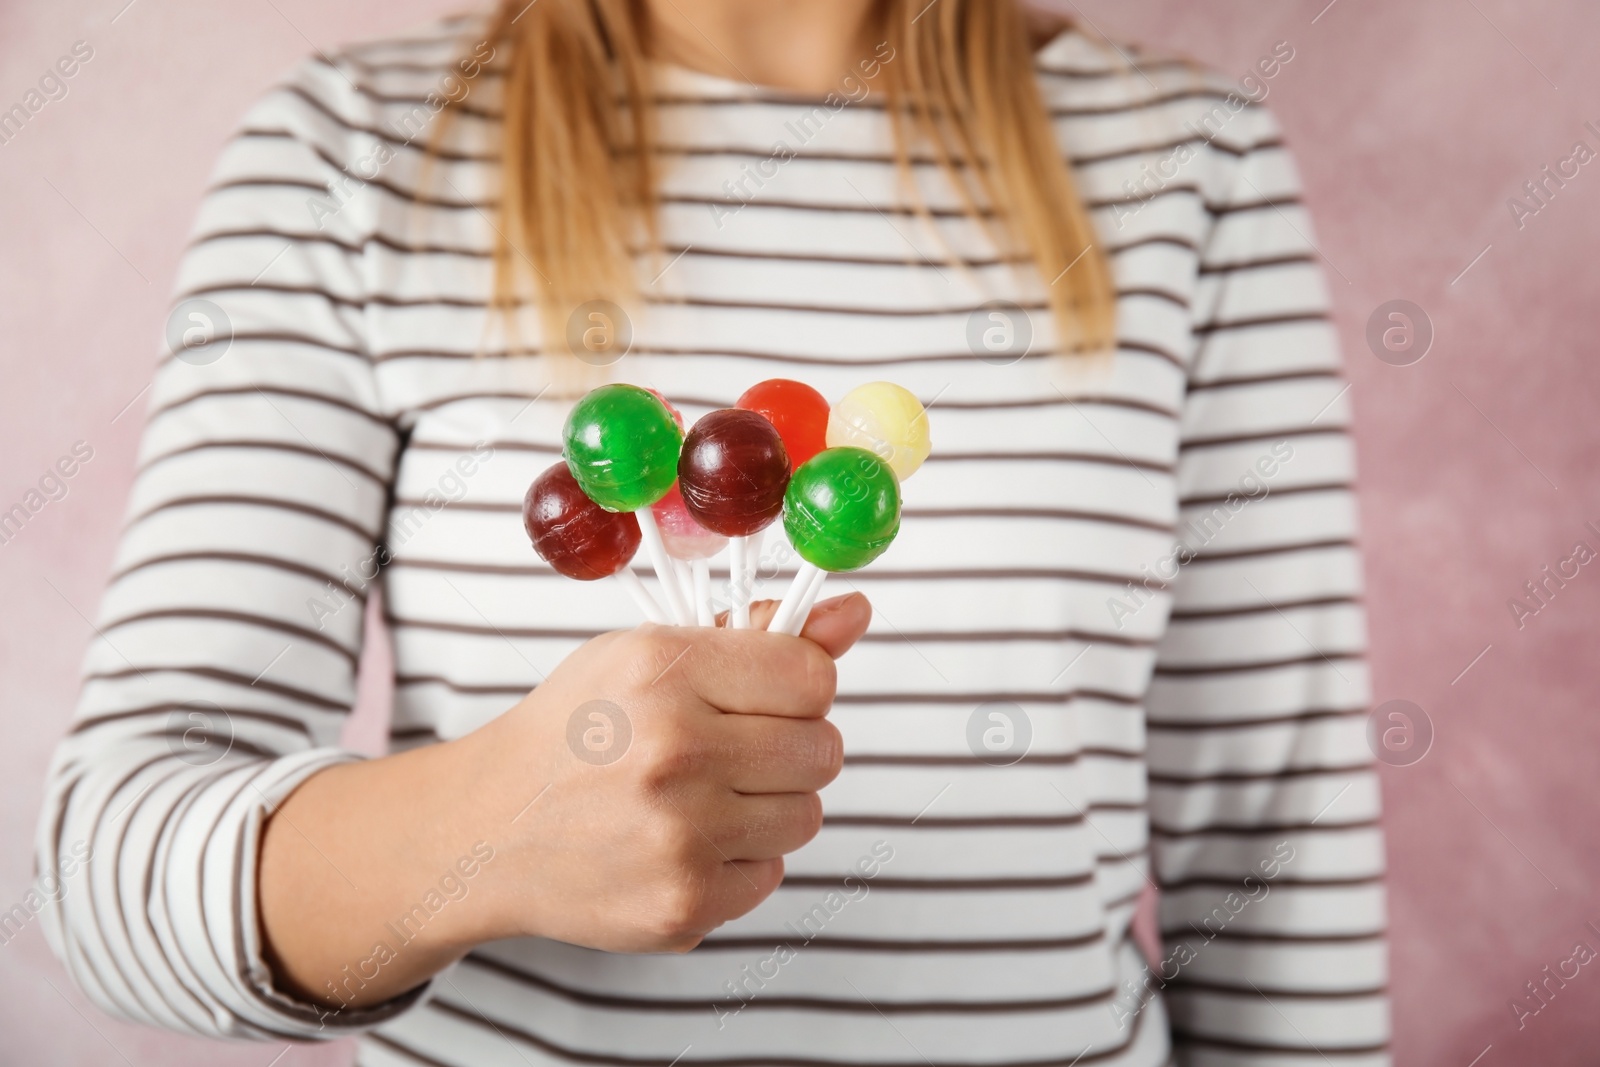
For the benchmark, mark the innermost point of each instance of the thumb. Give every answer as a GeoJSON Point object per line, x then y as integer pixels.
{"type": "Point", "coordinates": [835, 624]}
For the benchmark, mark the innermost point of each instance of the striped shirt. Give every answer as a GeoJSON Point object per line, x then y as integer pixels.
{"type": "Point", "coordinates": [1118, 641]}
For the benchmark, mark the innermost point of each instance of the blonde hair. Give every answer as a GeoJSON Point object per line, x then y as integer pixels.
{"type": "Point", "coordinates": [580, 185]}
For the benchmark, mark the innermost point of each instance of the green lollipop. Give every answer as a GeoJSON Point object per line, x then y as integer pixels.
{"type": "Point", "coordinates": [842, 509]}
{"type": "Point", "coordinates": [622, 446]}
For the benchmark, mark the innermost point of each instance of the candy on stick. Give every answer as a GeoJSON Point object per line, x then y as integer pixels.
{"type": "Point", "coordinates": [798, 412]}
{"type": "Point", "coordinates": [686, 587]}
{"type": "Point", "coordinates": [681, 532]}
{"type": "Point", "coordinates": [841, 511]}
{"type": "Point", "coordinates": [632, 477]}
{"type": "Point", "coordinates": [582, 540]}
{"type": "Point", "coordinates": [733, 471]}
{"type": "Point", "coordinates": [800, 415]}
{"type": "Point", "coordinates": [689, 543]}
{"type": "Point", "coordinates": [885, 419]}
{"type": "Point", "coordinates": [621, 445]}
{"type": "Point", "coordinates": [891, 423]}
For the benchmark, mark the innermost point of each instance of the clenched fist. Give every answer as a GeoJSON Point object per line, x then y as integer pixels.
{"type": "Point", "coordinates": [674, 768]}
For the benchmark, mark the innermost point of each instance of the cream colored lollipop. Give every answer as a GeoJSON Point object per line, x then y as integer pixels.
{"type": "Point", "coordinates": [886, 420]}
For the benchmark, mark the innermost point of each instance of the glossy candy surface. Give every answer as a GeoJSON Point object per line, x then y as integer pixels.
{"type": "Point", "coordinates": [842, 509]}
{"type": "Point", "coordinates": [684, 537]}
{"type": "Point", "coordinates": [799, 412]}
{"type": "Point", "coordinates": [622, 446]}
{"type": "Point", "coordinates": [885, 419]}
{"type": "Point", "coordinates": [733, 472]}
{"type": "Point", "coordinates": [572, 533]}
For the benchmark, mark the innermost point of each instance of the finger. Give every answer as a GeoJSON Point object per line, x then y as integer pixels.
{"type": "Point", "coordinates": [770, 827]}
{"type": "Point", "coordinates": [728, 890]}
{"type": "Point", "coordinates": [765, 754]}
{"type": "Point", "coordinates": [754, 672]}
{"type": "Point", "coordinates": [748, 883]}
{"type": "Point", "coordinates": [761, 612]}
{"type": "Point", "coordinates": [838, 623]}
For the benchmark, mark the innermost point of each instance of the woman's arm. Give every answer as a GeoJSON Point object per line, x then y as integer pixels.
{"type": "Point", "coordinates": [205, 762]}
{"type": "Point", "coordinates": [214, 688]}
{"type": "Point", "coordinates": [1263, 797]}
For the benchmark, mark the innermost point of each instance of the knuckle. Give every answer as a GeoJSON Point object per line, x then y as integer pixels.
{"type": "Point", "coordinates": [678, 914]}
{"type": "Point", "coordinates": [652, 654]}
{"type": "Point", "coordinates": [677, 842]}
{"type": "Point", "coordinates": [673, 752]}
{"type": "Point", "coordinates": [612, 639]}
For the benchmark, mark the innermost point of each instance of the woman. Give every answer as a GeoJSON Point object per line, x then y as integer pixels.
{"type": "Point", "coordinates": [1117, 642]}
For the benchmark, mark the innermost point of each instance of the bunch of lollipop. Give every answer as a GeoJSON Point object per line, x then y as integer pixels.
{"type": "Point", "coordinates": [631, 476]}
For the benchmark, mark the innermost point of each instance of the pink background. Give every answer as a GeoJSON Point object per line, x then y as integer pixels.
{"type": "Point", "coordinates": [1413, 122]}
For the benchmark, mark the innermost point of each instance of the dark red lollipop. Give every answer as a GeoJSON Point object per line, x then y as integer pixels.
{"type": "Point", "coordinates": [572, 533]}
{"type": "Point", "coordinates": [799, 412]}
{"type": "Point", "coordinates": [733, 471]}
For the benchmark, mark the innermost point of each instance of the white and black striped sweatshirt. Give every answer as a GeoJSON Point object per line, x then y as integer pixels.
{"type": "Point", "coordinates": [1193, 719]}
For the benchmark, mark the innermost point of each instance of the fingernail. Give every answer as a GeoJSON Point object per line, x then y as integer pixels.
{"type": "Point", "coordinates": [829, 607]}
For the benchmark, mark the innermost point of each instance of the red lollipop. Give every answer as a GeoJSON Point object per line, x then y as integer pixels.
{"type": "Point", "coordinates": [799, 413]}
{"type": "Point", "coordinates": [733, 472]}
{"type": "Point", "coordinates": [579, 538]}
{"type": "Point", "coordinates": [572, 533]}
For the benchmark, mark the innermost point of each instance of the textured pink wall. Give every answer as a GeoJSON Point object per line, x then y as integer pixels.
{"type": "Point", "coordinates": [1414, 123]}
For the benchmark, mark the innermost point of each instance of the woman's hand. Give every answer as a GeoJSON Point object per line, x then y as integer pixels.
{"type": "Point", "coordinates": [674, 768]}
{"type": "Point", "coordinates": [640, 797]}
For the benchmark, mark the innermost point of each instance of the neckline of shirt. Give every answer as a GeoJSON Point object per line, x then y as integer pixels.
{"type": "Point", "coordinates": [670, 78]}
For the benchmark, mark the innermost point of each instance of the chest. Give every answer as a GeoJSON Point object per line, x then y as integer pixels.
{"type": "Point", "coordinates": [1051, 483]}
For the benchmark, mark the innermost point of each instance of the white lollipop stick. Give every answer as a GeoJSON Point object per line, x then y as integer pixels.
{"type": "Point", "coordinates": [680, 570]}
{"type": "Point", "coordinates": [702, 592]}
{"type": "Point", "coordinates": [792, 598]}
{"type": "Point", "coordinates": [798, 621]}
{"type": "Point", "coordinates": [650, 534]}
{"type": "Point", "coordinates": [641, 596]}
{"type": "Point", "coordinates": [739, 600]}
{"type": "Point", "coordinates": [752, 563]}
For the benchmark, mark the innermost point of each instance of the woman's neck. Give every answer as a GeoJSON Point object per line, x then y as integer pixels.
{"type": "Point", "coordinates": [799, 45]}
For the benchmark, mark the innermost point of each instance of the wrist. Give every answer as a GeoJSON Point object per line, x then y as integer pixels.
{"type": "Point", "coordinates": [499, 775]}
{"type": "Point", "coordinates": [453, 904]}
{"type": "Point", "coordinates": [364, 885]}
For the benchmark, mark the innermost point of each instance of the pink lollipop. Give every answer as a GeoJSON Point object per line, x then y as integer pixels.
{"type": "Point", "coordinates": [691, 547]}
{"type": "Point", "coordinates": [684, 537]}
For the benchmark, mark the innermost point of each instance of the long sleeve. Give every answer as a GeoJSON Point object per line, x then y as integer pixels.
{"type": "Point", "coordinates": [225, 659]}
{"type": "Point", "coordinates": [1264, 800]}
